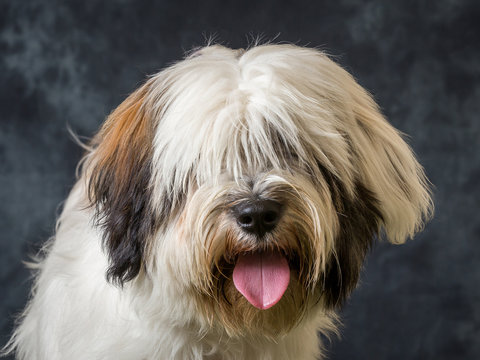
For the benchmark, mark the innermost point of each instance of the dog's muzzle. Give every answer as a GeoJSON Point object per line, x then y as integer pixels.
{"type": "Point", "coordinates": [262, 277]}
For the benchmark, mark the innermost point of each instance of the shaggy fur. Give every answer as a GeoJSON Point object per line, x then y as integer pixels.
{"type": "Point", "coordinates": [141, 264]}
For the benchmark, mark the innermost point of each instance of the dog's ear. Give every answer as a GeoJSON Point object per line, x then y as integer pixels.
{"type": "Point", "coordinates": [391, 192]}
{"type": "Point", "coordinates": [388, 169]}
{"type": "Point", "coordinates": [118, 174]}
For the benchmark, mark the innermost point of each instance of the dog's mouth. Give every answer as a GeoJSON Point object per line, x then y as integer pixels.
{"type": "Point", "coordinates": [262, 277]}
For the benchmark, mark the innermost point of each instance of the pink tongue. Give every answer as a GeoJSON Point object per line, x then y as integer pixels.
{"type": "Point", "coordinates": [262, 278]}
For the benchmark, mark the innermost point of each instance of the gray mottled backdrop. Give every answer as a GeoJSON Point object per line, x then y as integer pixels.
{"type": "Point", "coordinates": [69, 63]}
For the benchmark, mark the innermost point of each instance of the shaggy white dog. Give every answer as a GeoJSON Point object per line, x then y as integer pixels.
{"type": "Point", "coordinates": [223, 212]}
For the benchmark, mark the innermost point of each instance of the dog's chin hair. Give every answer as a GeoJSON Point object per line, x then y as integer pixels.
{"type": "Point", "coordinates": [230, 311]}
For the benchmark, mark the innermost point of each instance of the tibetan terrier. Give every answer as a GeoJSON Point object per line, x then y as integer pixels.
{"type": "Point", "coordinates": [223, 211]}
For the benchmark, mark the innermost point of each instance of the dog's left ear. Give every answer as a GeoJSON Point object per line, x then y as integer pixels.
{"type": "Point", "coordinates": [392, 192]}
{"type": "Point", "coordinates": [387, 167]}
{"type": "Point", "coordinates": [118, 172]}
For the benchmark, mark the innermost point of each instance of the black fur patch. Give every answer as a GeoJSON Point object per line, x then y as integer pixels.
{"type": "Point", "coordinates": [124, 212]}
{"type": "Point", "coordinates": [359, 221]}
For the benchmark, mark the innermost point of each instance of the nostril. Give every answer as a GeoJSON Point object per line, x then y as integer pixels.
{"type": "Point", "coordinates": [245, 220]}
{"type": "Point", "coordinates": [270, 217]}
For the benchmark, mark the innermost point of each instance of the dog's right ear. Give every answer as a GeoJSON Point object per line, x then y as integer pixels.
{"type": "Point", "coordinates": [118, 175]}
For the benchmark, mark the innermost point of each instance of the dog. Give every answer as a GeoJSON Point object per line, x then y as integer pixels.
{"type": "Point", "coordinates": [223, 211]}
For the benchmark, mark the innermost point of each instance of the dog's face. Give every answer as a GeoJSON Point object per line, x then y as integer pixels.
{"type": "Point", "coordinates": [257, 180]}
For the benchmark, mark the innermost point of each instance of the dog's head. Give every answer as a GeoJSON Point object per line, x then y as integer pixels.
{"type": "Point", "coordinates": [255, 178]}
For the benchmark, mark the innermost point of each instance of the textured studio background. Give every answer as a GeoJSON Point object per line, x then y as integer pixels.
{"type": "Point", "coordinates": [69, 63]}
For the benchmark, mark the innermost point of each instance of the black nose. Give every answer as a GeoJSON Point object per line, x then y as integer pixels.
{"type": "Point", "coordinates": [259, 216]}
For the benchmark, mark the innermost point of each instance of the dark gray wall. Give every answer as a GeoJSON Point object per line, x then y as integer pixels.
{"type": "Point", "coordinates": [69, 63]}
